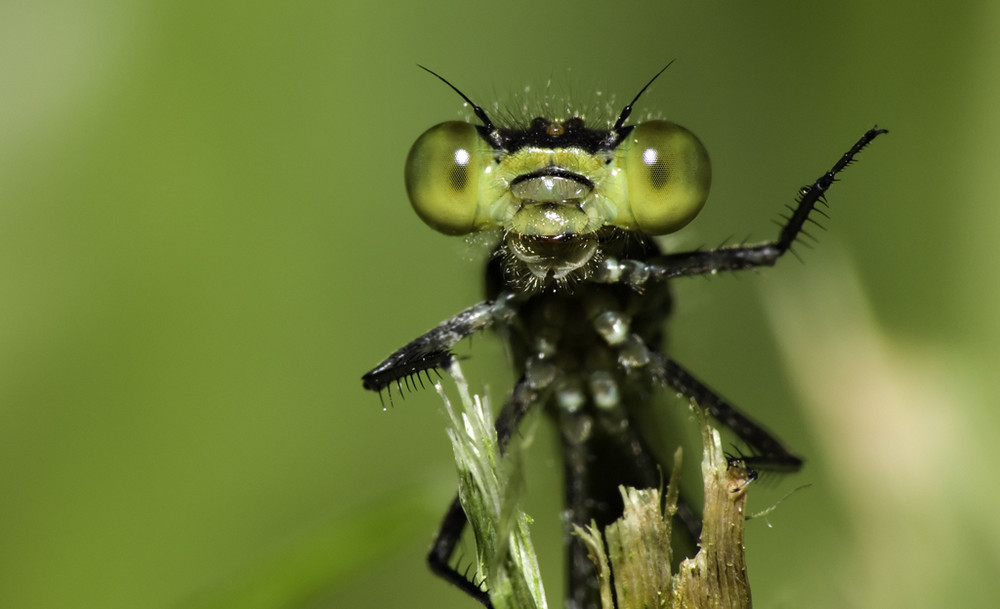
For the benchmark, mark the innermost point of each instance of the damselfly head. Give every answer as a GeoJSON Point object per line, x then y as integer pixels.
{"type": "Point", "coordinates": [557, 187]}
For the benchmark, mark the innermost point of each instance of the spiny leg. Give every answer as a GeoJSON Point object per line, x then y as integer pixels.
{"type": "Point", "coordinates": [445, 542]}
{"type": "Point", "coordinates": [769, 452]}
{"type": "Point", "coordinates": [432, 350]}
{"type": "Point", "coordinates": [525, 394]}
{"type": "Point", "coordinates": [732, 258]}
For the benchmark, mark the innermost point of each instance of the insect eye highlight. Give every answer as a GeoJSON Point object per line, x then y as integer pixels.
{"type": "Point", "coordinates": [458, 177]}
{"type": "Point", "coordinates": [668, 175]}
{"type": "Point", "coordinates": [442, 176]}
{"type": "Point", "coordinates": [659, 173]}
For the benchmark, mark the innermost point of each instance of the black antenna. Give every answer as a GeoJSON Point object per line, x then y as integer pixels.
{"type": "Point", "coordinates": [628, 109]}
{"type": "Point", "coordinates": [479, 112]}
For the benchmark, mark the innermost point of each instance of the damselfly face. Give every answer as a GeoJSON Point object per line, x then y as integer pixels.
{"type": "Point", "coordinates": [557, 188]}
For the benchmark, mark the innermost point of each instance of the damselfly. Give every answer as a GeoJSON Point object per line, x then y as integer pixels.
{"type": "Point", "coordinates": [577, 287]}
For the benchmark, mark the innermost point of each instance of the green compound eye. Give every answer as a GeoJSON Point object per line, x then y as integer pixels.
{"type": "Point", "coordinates": [668, 175]}
{"type": "Point", "coordinates": [442, 176]}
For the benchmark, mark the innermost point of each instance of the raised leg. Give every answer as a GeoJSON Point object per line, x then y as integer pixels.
{"type": "Point", "coordinates": [737, 257]}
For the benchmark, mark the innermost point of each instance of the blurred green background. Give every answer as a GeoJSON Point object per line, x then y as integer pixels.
{"type": "Point", "coordinates": [205, 241]}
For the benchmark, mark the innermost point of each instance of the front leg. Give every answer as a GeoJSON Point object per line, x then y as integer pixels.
{"type": "Point", "coordinates": [732, 258]}
{"type": "Point", "coordinates": [432, 350]}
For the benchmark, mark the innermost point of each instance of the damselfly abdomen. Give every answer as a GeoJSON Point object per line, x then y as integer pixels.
{"type": "Point", "coordinates": [578, 288]}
